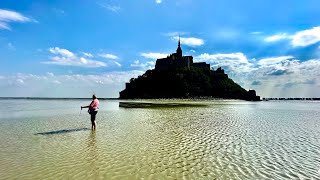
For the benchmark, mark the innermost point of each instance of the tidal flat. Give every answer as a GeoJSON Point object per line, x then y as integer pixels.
{"type": "Point", "coordinates": [219, 139]}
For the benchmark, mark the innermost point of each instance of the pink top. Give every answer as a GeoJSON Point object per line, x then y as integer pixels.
{"type": "Point", "coordinates": [94, 104]}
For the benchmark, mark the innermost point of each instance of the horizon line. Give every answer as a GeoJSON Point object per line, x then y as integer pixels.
{"type": "Point", "coordinates": [113, 98]}
{"type": "Point", "coordinates": [28, 97]}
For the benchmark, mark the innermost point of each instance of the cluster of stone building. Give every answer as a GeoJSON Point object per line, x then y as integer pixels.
{"type": "Point", "coordinates": [177, 60]}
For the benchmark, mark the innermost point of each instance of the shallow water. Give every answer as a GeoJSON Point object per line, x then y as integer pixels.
{"type": "Point", "coordinates": [50, 139]}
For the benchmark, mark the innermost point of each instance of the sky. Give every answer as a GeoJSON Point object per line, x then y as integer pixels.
{"type": "Point", "coordinates": [71, 48]}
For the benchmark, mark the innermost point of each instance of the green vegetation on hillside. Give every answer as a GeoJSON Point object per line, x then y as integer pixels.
{"type": "Point", "coordinates": [184, 83]}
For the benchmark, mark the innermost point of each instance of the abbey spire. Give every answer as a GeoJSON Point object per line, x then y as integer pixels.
{"type": "Point", "coordinates": [179, 51]}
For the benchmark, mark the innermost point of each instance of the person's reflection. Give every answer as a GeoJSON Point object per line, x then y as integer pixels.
{"type": "Point", "coordinates": [92, 154]}
{"type": "Point", "coordinates": [92, 141]}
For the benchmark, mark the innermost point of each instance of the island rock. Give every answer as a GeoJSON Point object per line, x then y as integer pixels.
{"type": "Point", "coordinates": [177, 76]}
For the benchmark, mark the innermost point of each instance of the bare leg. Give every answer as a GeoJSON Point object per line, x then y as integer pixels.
{"type": "Point", "coordinates": [93, 121]}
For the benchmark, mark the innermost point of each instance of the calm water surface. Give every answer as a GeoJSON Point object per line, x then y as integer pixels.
{"type": "Point", "coordinates": [49, 139]}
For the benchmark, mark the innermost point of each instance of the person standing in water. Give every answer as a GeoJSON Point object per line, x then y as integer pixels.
{"type": "Point", "coordinates": [93, 110]}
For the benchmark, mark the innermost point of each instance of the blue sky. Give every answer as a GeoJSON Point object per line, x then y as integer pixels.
{"type": "Point", "coordinates": [76, 48]}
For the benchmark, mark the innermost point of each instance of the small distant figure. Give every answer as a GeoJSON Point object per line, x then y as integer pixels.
{"type": "Point", "coordinates": [93, 110]}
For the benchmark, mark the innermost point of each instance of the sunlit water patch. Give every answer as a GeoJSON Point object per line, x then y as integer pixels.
{"type": "Point", "coordinates": [222, 140]}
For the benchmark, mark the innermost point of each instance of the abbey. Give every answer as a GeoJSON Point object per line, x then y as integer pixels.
{"type": "Point", "coordinates": [177, 76]}
{"type": "Point", "coordinates": [177, 60]}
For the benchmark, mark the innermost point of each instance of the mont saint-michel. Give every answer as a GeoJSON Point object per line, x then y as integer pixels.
{"type": "Point", "coordinates": [177, 76]}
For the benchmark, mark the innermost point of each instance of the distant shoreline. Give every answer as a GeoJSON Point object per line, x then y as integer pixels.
{"type": "Point", "coordinates": [199, 98]}
{"type": "Point", "coordinates": [290, 99]}
{"type": "Point", "coordinates": [52, 98]}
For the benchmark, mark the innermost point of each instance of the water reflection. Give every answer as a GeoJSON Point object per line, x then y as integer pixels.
{"type": "Point", "coordinates": [92, 155]}
{"type": "Point", "coordinates": [92, 140]}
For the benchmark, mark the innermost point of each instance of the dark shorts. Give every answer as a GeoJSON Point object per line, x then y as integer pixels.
{"type": "Point", "coordinates": [93, 116]}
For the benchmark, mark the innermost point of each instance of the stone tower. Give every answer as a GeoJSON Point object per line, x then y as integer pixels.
{"type": "Point", "coordinates": [179, 51]}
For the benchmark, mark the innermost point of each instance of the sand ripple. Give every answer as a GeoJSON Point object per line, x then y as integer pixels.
{"type": "Point", "coordinates": [219, 141]}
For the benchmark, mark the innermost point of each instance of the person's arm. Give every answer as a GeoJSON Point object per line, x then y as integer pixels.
{"type": "Point", "coordinates": [86, 106]}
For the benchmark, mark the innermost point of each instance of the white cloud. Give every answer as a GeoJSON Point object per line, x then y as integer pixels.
{"type": "Point", "coordinates": [4, 26]}
{"type": "Point", "coordinates": [306, 37]}
{"type": "Point", "coordinates": [283, 76]}
{"type": "Point", "coordinates": [67, 58]}
{"type": "Point", "coordinates": [117, 63]}
{"type": "Point", "coordinates": [108, 56]}
{"type": "Point", "coordinates": [152, 55]}
{"type": "Point", "coordinates": [143, 66]}
{"type": "Point", "coordinates": [114, 8]}
{"type": "Point", "coordinates": [273, 60]}
{"type": "Point", "coordinates": [12, 82]}
{"type": "Point", "coordinates": [256, 32]}
{"type": "Point", "coordinates": [56, 82]}
{"type": "Point", "coordinates": [87, 54]}
{"type": "Point", "coordinates": [7, 17]}
{"type": "Point", "coordinates": [239, 57]}
{"type": "Point", "coordinates": [289, 78]}
{"type": "Point", "coordinates": [20, 81]}
{"type": "Point", "coordinates": [50, 74]}
{"type": "Point", "coordinates": [62, 52]}
{"type": "Point", "coordinates": [82, 62]}
{"type": "Point", "coordinates": [104, 85]}
{"type": "Point", "coordinates": [111, 7]}
{"type": "Point", "coordinates": [100, 82]}
{"type": "Point", "coordinates": [190, 41]}
{"type": "Point", "coordinates": [299, 39]}
{"type": "Point", "coordinates": [237, 62]}
{"type": "Point", "coordinates": [158, 1]}
{"type": "Point", "coordinates": [277, 37]}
